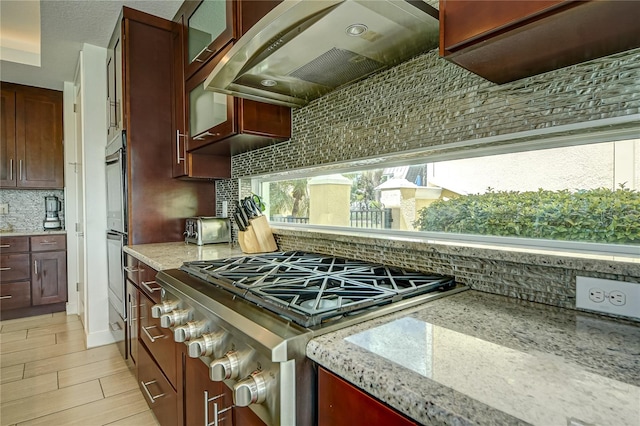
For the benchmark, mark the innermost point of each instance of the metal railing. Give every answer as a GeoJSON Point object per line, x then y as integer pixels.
{"type": "Point", "coordinates": [378, 219]}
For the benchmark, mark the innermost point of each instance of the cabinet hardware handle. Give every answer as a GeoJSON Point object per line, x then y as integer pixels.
{"type": "Point", "coordinates": [131, 269]}
{"type": "Point", "coordinates": [204, 135]}
{"type": "Point", "coordinates": [35, 266]}
{"type": "Point", "coordinates": [178, 135]}
{"type": "Point", "coordinates": [6, 268]}
{"type": "Point", "coordinates": [207, 400]}
{"type": "Point", "coordinates": [115, 326]}
{"type": "Point", "coordinates": [145, 284]}
{"type": "Point", "coordinates": [152, 338]}
{"type": "Point", "coordinates": [11, 169]}
{"type": "Point", "coordinates": [6, 297]}
{"type": "Point", "coordinates": [5, 245]}
{"type": "Point", "coordinates": [151, 397]}
{"type": "Point", "coordinates": [48, 243]}
{"type": "Point", "coordinates": [20, 170]}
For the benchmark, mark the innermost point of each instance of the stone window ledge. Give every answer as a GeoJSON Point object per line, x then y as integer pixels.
{"type": "Point", "coordinates": [618, 264]}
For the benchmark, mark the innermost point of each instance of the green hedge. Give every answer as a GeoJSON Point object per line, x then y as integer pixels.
{"type": "Point", "coordinates": [596, 215]}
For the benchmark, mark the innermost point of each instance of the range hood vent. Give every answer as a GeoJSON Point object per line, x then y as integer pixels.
{"type": "Point", "coordinates": [303, 49]}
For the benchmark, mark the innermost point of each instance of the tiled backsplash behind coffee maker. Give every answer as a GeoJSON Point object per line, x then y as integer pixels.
{"type": "Point", "coordinates": [26, 208]}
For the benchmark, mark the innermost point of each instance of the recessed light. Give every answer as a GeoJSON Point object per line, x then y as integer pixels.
{"type": "Point", "coordinates": [268, 83]}
{"type": "Point", "coordinates": [356, 30]}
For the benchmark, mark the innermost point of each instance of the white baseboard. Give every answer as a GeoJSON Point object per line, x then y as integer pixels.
{"type": "Point", "coordinates": [99, 338]}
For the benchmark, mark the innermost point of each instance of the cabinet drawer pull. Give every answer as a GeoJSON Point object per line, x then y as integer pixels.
{"type": "Point", "coordinates": [5, 245]}
{"type": "Point", "coordinates": [152, 338]}
{"type": "Point", "coordinates": [115, 326]}
{"type": "Point", "coordinates": [131, 269]}
{"type": "Point", "coordinates": [216, 413]}
{"type": "Point", "coordinates": [6, 268]}
{"type": "Point", "coordinates": [48, 243]}
{"type": "Point", "coordinates": [6, 297]}
{"type": "Point", "coordinates": [11, 169]}
{"type": "Point", "coordinates": [20, 170]}
{"type": "Point", "coordinates": [204, 135]}
{"type": "Point", "coordinates": [178, 136]}
{"type": "Point", "coordinates": [145, 284]}
{"type": "Point", "coordinates": [151, 397]}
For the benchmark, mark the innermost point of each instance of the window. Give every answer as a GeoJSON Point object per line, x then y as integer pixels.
{"type": "Point", "coordinates": [584, 193]}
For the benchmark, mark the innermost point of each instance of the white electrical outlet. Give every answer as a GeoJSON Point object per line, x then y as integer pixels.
{"type": "Point", "coordinates": [608, 296]}
{"type": "Point", "coordinates": [4, 208]}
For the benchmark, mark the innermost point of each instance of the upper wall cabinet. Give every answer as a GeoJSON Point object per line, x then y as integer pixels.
{"type": "Point", "coordinates": [31, 146]}
{"type": "Point", "coordinates": [505, 41]}
{"type": "Point", "coordinates": [209, 27]}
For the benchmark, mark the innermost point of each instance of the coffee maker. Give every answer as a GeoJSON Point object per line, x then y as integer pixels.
{"type": "Point", "coordinates": [51, 219]}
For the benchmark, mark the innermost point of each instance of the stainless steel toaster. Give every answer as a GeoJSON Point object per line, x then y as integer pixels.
{"type": "Point", "coordinates": [207, 230]}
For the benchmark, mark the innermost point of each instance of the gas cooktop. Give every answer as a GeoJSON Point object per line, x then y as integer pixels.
{"type": "Point", "coordinates": [309, 288]}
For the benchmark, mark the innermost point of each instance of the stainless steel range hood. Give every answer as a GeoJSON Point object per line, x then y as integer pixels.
{"type": "Point", "coordinates": [303, 49]}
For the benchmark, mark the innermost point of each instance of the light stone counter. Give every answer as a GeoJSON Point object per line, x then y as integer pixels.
{"type": "Point", "coordinates": [172, 255]}
{"type": "Point", "coordinates": [476, 358]}
{"type": "Point", "coordinates": [28, 233]}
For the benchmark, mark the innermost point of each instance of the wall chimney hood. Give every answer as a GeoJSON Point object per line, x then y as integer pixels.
{"type": "Point", "coordinates": [303, 49]}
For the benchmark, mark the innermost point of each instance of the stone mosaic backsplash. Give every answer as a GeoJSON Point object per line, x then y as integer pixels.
{"type": "Point", "coordinates": [26, 208]}
{"type": "Point", "coordinates": [428, 104]}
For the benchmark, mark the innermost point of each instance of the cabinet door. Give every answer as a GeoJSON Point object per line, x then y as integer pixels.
{"type": "Point", "coordinates": [132, 321]}
{"type": "Point", "coordinates": [205, 400]}
{"type": "Point", "coordinates": [49, 279]}
{"type": "Point", "coordinates": [342, 404]}
{"type": "Point", "coordinates": [209, 28]}
{"type": "Point", "coordinates": [8, 139]}
{"type": "Point", "coordinates": [39, 142]}
{"type": "Point", "coordinates": [211, 115]}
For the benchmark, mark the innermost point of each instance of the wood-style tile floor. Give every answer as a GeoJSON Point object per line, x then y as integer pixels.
{"type": "Point", "coordinates": [48, 377]}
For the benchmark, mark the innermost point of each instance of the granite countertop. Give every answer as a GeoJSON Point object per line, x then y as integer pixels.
{"type": "Point", "coordinates": [23, 232]}
{"type": "Point", "coordinates": [172, 255]}
{"type": "Point", "coordinates": [477, 358]}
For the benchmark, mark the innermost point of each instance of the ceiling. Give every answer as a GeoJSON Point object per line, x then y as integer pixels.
{"type": "Point", "coordinates": [66, 26]}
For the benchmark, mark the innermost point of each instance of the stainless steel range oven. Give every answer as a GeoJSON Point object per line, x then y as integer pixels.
{"type": "Point", "coordinates": [250, 318]}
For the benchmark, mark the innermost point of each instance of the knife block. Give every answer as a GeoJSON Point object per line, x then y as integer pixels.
{"type": "Point", "coordinates": [258, 237]}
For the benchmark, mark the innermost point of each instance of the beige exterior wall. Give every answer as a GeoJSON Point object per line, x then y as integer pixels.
{"type": "Point", "coordinates": [329, 200]}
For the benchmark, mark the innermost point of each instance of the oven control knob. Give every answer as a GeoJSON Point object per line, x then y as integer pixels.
{"type": "Point", "coordinates": [206, 344]}
{"type": "Point", "coordinates": [175, 318]}
{"type": "Point", "coordinates": [163, 307]}
{"type": "Point", "coordinates": [191, 330]}
{"type": "Point", "coordinates": [227, 367]}
{"type": "Point", "coordinates": [252, 390]}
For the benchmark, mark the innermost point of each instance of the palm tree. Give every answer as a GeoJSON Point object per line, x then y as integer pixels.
{"type": "Point", "coordinates": [289, 197]}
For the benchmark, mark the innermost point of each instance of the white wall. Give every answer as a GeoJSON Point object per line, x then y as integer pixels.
{"type": "Point", "coordinates": [94, 136]}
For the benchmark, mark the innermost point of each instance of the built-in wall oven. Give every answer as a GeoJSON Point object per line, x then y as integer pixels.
{"type": "Point", "coordinates": [116, 168]}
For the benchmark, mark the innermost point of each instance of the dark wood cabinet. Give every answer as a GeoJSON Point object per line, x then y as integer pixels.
{"type": "Point", "coordinates": [133, 323]}
{"type": "Point", "coordinates": [342, 404]}
{"type": "Point", "coordinates": [31, 143]}
{"type": "Point", "coordinates": [223, 125]}
{"type": "Point", "coordinates": [161, 397]}
{"type": "Point", "coordinates": [33, 280]}
{"type": "Point", "coordinates": [188, 164]}
{"type": "Point", "coordinates": [505, 41]}
{"type": "Point", "coordinates": [204, 400]}
{"type": "Point", "coordinates": [115, 105]}
{"type": "Point", "coordinates": [157, 203]}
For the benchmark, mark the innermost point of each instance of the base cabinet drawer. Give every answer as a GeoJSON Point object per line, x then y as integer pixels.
{"type": "Point", "coordinates": [158, 341]}
{"type": "Point", "coordinates": [14, 244]}
{"type": "Point", "coordinates": [48, 242]}
{"type": "Point", "coordinates": [14, 267]}
{"type": "Point", "coordinates": [157, 391]}
{"type": "Point", "coordinates": [15, 295]}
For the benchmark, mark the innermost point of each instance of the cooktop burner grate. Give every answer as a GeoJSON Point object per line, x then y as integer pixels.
{"type": "Point", "coordinates": [311, 288]}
